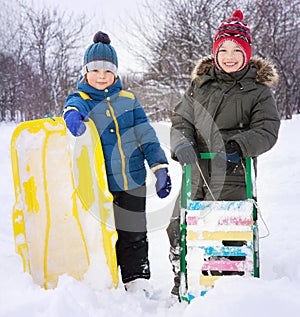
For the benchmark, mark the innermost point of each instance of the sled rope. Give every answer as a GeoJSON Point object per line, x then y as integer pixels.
{"type": "Point", "coordinates": [205, 182]}
{"type": "Point", "coordinates": [262, 219]}
{"type": "Point", "coordinates": [258, 211]}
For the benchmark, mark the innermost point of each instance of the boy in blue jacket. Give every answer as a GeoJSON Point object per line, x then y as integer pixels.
{"type": "Point", "coordinates": [128, 140]}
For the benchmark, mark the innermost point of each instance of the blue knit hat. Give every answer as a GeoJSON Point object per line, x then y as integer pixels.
{"type": "Point", "coordinates": [100, 55]}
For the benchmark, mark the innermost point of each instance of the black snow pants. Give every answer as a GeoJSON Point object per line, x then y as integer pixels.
{"type": "Point", "coordinates": [132, 243]}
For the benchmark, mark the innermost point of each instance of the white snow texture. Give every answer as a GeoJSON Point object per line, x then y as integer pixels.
{"type": "Point", "coordinates": [276, 293]}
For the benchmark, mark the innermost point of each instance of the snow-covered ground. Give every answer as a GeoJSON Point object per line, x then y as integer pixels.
{"type": "Point", "coordinates": [276, 293]}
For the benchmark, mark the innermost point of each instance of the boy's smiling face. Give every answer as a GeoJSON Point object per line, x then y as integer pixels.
{"type": "Point", "coordinates": [100, 78]}
{"type": "Point", "coordinates": [230, 57]}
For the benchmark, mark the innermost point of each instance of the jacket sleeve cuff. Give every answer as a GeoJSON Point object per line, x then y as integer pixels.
{"type": "Point", "coordinates": [68, 109]}
{"type": "Point", "coordinates": [157, 167]}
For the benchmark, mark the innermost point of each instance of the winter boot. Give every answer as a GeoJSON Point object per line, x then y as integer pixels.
{"type": "Point", "coordinates": [140, 286]}
{"type": "Point", "coordinates": [173, 231]}
{"type": "Point", "coordinates": [174, 257]}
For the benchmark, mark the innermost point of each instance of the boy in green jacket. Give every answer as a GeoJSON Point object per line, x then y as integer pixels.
{"type": "Point", "coordinates": [229, 109]}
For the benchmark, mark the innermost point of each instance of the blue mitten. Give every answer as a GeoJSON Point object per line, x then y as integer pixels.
{"type": "Point", "coordinates": [232, 156]}
{"type": "Point", "coordinates": [163, 182]}
{"type": "Point", "coordinates": [75, 122]}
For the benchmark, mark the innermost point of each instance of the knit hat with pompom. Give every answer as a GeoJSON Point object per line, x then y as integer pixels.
{"type": "Point", "coordinates": [100, 55]}
{"type": "Point", "coordinates": [234, 29]}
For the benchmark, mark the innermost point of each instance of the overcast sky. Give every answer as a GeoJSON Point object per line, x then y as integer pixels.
{"type": "Point", "coordinates": [107, 11]}
{"type": "Point", "coordinates": [106, 17]}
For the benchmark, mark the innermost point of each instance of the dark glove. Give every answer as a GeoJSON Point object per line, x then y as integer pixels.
{"type": "Point", "coordinates": [186, 154]}
{"type": "Point", "coordinates": [163, 182]}
{"type": "Point", "coordinates": [232, 156]}
{"type": "Point", "coordinates": [75, 122]}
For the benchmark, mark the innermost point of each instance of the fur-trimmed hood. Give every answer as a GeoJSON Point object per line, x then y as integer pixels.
{"type": "Point", "coordinates": [266, 72]}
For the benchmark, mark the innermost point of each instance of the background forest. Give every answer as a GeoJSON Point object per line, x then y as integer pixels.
{"type": "Point", "coordinates": [40, 49]}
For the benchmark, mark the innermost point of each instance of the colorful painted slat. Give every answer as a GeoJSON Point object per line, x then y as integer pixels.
{"type": "Point", "coordinates": [231, 220]}
{"type": "Point", "coordinates": [208, 280]}
{"type": "Point", "coordinates": [224, 251]}
{"type": "Point", "coordinates": [221, 235]}
{"type": "Point", "coordinates": [241, 205]}
{"type": "Point", "coordinates": [208, 225]}
{"type": "Point", "coordinates": [227, 265]}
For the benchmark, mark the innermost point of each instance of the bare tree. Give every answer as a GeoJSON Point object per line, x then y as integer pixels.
{"type": "Point", "coordinates": [182, 31]}
{"type": "Point", "coordinates": [276, 30]}
{"type": "Point", "coordinates": [52, 39]}
{"type": "Point", "coordinates": [37, 53]}
{"type": "Point", "coordinates": [177, 34]}
{"type": "Point", "coordinates": [41, 46]}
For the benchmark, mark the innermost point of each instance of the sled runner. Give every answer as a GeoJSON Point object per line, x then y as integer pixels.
{"type": "Point", "coordinates": [63, 214]}
{"type": "Point", "coordinates": [207, 231]}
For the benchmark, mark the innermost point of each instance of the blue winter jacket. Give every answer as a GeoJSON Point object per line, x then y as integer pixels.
{"type": "Point", "coordinates": [126, 135]}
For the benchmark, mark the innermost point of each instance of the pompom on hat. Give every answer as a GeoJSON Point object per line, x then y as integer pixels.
{"type": "Point", "coordinates": [100, 55]}
{"type": "Point", "coordinates": [234, 29]}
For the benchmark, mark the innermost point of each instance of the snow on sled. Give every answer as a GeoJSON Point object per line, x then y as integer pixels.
{"type": "Point", "coordinates": [218, 238]}
{"type": "Point", "coordinates": [63, 214]}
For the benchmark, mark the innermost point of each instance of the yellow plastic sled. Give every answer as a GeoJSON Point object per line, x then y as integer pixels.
{"type": "Point", "coordinates": [63, 214]}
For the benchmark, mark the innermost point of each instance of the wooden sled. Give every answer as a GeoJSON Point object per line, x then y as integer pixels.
{"type": "Point", "coordinates": [207, 231]}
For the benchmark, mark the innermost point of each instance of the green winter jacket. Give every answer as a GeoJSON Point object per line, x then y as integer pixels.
{"type": "Point", "coordinates": [219, 107]}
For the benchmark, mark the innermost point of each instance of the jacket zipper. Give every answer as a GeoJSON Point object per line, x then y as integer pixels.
{"type": "Point", "coordinates": [119, 145]}
{"type": "Point", "coordinates": [218, 106]}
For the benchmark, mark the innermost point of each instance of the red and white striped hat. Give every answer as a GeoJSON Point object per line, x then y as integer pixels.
{"type": "Point", "coordinates": [234, 29]}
